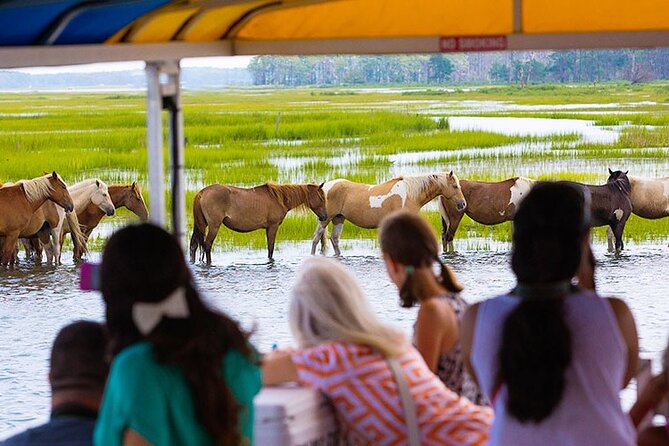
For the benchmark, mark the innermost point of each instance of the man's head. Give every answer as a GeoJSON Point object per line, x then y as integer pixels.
{"type": "Point", "coordinates": [78, 363]}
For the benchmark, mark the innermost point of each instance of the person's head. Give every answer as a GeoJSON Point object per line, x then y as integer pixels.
{"type": "Point", "coordinates": [550, 234]}
{"type": "Point", "coordinates": [78, 366]}
{"type": "Point", "coordinates": [550, 231]}
{"type": "Point", "coordinates": [409, 244]}
{"type": "Point", "coordinates": [327, 304]}
{"type": "Point", "coordinates": [149, 295]}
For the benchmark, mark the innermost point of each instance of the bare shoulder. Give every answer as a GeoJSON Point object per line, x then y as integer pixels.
{"type": "Point", "coordinates": [619, 307]}
{"type": "Point", "coordinates": [436, 309]}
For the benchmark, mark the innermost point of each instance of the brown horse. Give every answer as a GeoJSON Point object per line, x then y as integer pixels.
{"type": "Point", "coordinates": [610, 204]}
{"type": "Point", "coordinates": [20, 201]}
{"type": "Point", "coordinates": [129, 196]}
{"type": "Point", "coordinates": [487, 203]}
{"type": "Point", "coordinates": [365, 205]}
{"type": "Point", "coordinates": [245, 210]}
{"type": "Point", "coordinates": [650, 199]}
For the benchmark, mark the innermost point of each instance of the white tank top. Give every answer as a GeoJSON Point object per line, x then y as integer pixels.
{"type": "Point", "coordinates": [589, 412]}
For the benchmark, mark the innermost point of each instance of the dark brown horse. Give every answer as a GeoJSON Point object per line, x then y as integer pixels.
{"type": "Point", "coordinates": [610, 205]}
{"type": "Point", "coordinates": [487, 203]}
{"type": "Point", "coordinates": [20, 201]}
{"type": "Point", "coordinates": [245, 210]}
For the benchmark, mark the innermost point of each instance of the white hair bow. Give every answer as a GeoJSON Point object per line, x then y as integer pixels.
{"type": "Point", "coordinates": [147, 315]}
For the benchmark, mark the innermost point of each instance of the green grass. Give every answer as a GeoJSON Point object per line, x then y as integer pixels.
{"type": "Point", "coordinates": [248, 136]}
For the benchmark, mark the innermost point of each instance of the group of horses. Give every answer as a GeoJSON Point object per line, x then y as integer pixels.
{"type": "Point", "coordinates": [336, 201]}
{"type": "Point", "coordinates": [40, 212]}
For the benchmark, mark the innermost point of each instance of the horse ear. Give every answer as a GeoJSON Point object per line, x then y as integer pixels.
{"type": "Point", "coordinates": [450, 173]}
{"type": "Point", "coordinates": [134, 185]}
{"type": "Point", "coordinates": [626, 172]}
{"type": "Point", "coordinates": [320, 186]}
{"type": "Point", "coordinates": [54, 175]}
{"type": "Point", "coordinates": [97, 183]}
{"type": "Point", "coordinates": [610, 171]}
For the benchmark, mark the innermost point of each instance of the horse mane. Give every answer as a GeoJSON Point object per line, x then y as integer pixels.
{"type": "Point", "coordinates": [289, 195]}
{"type": "Point", "coordinates": [418, 184]}
{"type": "Point", "coordinates": [37, 189]}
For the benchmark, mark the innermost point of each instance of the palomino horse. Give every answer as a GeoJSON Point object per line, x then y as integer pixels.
{"type": "Point", "coordinates": [128, 196]}
{"type": "Point", "coordinates": [245, 210]}
{"type": "Point", "coordinates": [365, 205]}
{"type": "Point", "coordinates": [487, 203]}
{"type": "Point", "coordinates": [649, 197]}
{"type": "Point", "coordinates": [610, 205]}
{"type": "Point", "coordinates": [20, 201]}
{"type": "Point", "coordinates": [84, 193]}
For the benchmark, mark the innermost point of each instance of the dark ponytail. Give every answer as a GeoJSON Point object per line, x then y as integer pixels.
{"type": "Point", "coordinates": [536, 344]}
{"type": "Point", "coordinates": [410, 240]}
{"type": "Point", "coordinates": [534, 354]}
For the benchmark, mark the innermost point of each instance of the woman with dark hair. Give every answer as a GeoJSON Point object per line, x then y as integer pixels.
{"type": "Point", "coordinates": [552, 357]}
{"type": "Point", "coordinates": [182, 373]}
{"type": "Point", "coordinates": [410, 250]}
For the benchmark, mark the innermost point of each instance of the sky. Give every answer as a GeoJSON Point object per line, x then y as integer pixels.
{"type": "Point", "coordinates": [218, 62]}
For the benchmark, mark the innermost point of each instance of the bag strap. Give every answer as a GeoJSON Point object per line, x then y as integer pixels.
{"type": "Point", "coordinates": [407, 402]}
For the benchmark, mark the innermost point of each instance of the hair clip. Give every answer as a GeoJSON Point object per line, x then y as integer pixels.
{"type": "Point", "coordinates": [409, 269]}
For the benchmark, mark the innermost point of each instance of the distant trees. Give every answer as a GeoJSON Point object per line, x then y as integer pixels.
{"type": "Point", "coordinates": [522, 68]}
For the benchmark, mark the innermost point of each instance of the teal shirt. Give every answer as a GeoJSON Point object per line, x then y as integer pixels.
{"type": "Point", "coordinates": [154, 400]}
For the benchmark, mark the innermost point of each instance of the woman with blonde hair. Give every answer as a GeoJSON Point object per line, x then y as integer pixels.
{"type": "Point", "coordinates": [382, 391]}
{"type": "Point", "coordinates": [410, 251]}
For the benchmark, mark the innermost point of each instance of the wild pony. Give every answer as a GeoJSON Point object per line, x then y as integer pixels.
{"type": "Point", "coordinates": [128, 196]}
{"type": "Point", "coordinates": [649, 197]}
{"type": "Point", "coordinates": [365, 205]}
{"type": "Point", "coordinates": [245, 210]}
{"type": "Point", "coordinates": [487, 203]}
{"type": "Point", "coordinates": [50, 225]}
{"type": "Point", "coordinates": [18, 202]}
{"type": "Point", "coordinates": [610, 205]}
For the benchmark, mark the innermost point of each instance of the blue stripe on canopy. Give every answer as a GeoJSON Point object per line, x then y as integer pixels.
{"type": "Point", "coordinates": [23, 23]}
{"type": "Point", "coordinates": [96, 23]}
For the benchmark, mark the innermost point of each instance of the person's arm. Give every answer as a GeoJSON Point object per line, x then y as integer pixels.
{"type": "Point", "coordinates": [467, 337]}
{"type": "Point", "coordinates": [132, 438]}
{"type": "Point", "coordinates": [436, 331]}
{"type": "Point", "coordinates": [655, 390]}
{"type": "Point", "coordinates": [628, 329]}
{"type": "Point", "coordinates": [278, 368]}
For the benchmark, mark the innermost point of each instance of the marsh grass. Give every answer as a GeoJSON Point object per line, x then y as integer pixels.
{"type": "Point", "coordinates": [248, 136]}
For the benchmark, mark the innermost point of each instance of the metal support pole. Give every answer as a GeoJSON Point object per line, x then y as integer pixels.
{"type": "Point", "coordinates": [164, 93]}
{"type": "Point", "coordinates": [154, 143]}
{"type": "Point", "coordinates": [176, 143]}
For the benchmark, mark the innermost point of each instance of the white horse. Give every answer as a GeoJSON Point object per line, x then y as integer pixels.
{"type": "Point", "coordinates": [650, 199]}
{"type": "Point", "coordinates": [83, 193]}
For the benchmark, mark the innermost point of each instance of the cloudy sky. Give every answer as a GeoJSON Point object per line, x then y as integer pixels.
{"type": "Point", "coordinates": [220, 62]}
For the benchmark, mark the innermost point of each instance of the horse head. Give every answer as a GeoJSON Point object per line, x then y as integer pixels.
{"type": "Point", "coordinates": [135, 202]}
{"type": "Point", "coordinates": [100, 198]}
{"type": "Point", "coordinates": [58, 192]}
{"type": "Point", "coordinates": [316, 201]}
{"type": "Point", "coordinates": [452, 191]}
{"type": "Point", "coordinates": [620, 179]}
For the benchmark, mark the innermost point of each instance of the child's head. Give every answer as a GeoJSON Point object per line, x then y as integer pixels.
{"type": "Point", "coordinates": [408, 243]}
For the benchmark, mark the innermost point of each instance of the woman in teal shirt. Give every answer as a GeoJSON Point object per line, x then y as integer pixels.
{"type": "Point", "coordinates": [182, 373]}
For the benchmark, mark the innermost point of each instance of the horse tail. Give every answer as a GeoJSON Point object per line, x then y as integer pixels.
{"type": "Point", "coordinates": [78, 237]}
{"type": "Point", "coordinates": [199, 226]}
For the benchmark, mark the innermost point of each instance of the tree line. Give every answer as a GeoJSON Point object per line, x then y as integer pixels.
{"type": "Point", "coordinates": [522, 68]}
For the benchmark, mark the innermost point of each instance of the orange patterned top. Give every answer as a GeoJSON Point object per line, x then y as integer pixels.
{"type": "Point", "coordinates": [358, 381]}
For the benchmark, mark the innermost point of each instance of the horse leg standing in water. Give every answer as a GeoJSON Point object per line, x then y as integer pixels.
{"type": "Point", "coordinates": [245, 210]}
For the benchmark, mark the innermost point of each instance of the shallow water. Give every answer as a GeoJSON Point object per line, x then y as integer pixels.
{"type": "Point", "coordinates": [36, 301]}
